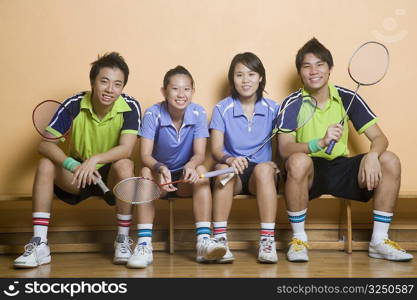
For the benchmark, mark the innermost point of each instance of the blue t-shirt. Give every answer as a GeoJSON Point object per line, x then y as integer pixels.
{"type": "Point", "coordinates": [242, 137]}
{"type": "Point", "coordinates": [171, 147]}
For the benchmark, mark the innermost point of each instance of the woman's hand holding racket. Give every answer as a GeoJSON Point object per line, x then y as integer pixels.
{"type": "Point", "coordinates": [239, 164]}
{"type": "Point", "coordinates": [165, 179]}
{"type": "Point", "coordinates": [190, 174]}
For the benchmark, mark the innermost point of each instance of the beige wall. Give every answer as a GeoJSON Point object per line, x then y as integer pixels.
{"type": "Point", "coordinates": [47, 45]}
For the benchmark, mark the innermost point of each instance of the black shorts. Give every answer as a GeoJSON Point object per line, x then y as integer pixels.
{"type": "Point", "coordinates": [88, 191]}
{"type": "Point", "coordinates": [244, 178]}
{"type": "Point", "coordinates": [176, 175]}
{"type": "Point", "coordinates": [338, 177]}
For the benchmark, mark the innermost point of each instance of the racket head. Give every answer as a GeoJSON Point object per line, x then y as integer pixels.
{"type": "Point", "coordinates": [369, 63]}
{"type": "Point", "coordinates": [296, 113]}
{"type": "Point", "coordinates": [52, 120]}
{"type": "Point", "coordinates": [137, 190]}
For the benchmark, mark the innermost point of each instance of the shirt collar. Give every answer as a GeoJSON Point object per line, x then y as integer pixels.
{"type": "Point", "coordinates": [119, 106]}
{"type": "Point", "coordinates": [333, 93]}
{"type": "Point", "coordinates": [190, 115]}
{"type": "Point", "coordinates": [261, 108]}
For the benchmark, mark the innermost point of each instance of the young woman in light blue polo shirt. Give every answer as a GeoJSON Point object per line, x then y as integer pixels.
{"type": "Point", "coordinates": [240, 124]}
{"type": "Point", "coordinates": [174, 134]}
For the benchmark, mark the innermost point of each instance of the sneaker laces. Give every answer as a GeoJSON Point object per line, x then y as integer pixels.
{"type": "Point", "coordinates": [222, 241]}
{"type": "Point", "coordinates": [393, 245]}
{"type": "Point", "coordinates": [29, 248]}
{"type": "Point", "coordinates": [141, 249]}
{"type": "Point", "coordinates": [298, 245]}
{"type": "Point", "coordinates": [125, 246]}
{"type": "Point", "coordinates": [266, 245]}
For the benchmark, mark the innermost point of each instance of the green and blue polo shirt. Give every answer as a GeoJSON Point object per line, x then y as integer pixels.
{"type": "Point", "coordinates": [359, 114]}
{"type": "Point", "coordinates": [89, 134]}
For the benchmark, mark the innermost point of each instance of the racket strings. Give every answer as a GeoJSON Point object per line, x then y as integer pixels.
{"type": "Point", "coordinates": [137, 190]}
{"type": "Point", "coordinates": [296, 113]}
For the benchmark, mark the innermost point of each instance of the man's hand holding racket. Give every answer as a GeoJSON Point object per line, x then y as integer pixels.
{"type": "Point", "coordinates": [86, 173]}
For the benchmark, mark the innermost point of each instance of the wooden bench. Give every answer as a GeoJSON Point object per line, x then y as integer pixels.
{"type": "Point", "coordinates": [345, 227]}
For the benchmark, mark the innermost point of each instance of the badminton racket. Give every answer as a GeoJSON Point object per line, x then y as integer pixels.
{"type": "Point", "coordinates": [367, 66]}
{"type": "Point", "coordinates": [139, 190]}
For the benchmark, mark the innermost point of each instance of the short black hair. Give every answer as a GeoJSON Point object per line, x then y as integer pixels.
{"type": "Point", "coordinates": [252, 62]}
{"type": "Point", "coordinates": [175, 71]}
{"type": "Point", "coordinates": [109, 60]}
{"type": "Point", "coordinates": [315, 47]}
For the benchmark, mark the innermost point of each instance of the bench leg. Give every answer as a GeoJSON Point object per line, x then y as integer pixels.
{"type": "Point", "coordinates": [345, 231]}
{"type": "Point", "coordinates": [171, 226]}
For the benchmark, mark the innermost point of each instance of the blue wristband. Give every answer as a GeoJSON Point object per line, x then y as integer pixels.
{"type": "Point", "coordinates": [70, 164]}
{"type": "Point", "coordinates": [314, 146]}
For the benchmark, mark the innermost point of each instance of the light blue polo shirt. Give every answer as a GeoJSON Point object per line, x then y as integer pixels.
{"type": "Point", "coordinates": [242, 137]}
{"type": "Point", "coordinates": [171, 147]}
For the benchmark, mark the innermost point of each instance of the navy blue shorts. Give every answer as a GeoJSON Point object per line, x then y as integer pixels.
{"type": "Point", "coordinates": [88, 191]}
{"type": "Point", "coordinates": [338, 177]}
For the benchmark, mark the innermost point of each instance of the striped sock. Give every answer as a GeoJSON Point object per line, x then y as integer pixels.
{"type": "Point", "coordinates": [267, 231]}
{"type": "Point", "coordinates": [382, 221]}
{"type": "Point", "coordinates": [297, 221]}
{"type": "Point", "coordinates": [202, 230]}
{"type": "Point", "coordinates": [123, 222]}
{"type": "Point", "coordinates": [220, 229]}
{"type": "Point", "coordinates": [40, 221]}
{"type": "Point", "coordinates": [144, 233]}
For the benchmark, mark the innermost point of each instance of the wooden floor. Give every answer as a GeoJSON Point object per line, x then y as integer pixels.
{"type": "Point", "coordinates": [182, 264]}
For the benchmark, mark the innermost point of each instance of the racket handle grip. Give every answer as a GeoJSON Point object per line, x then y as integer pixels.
{"type": "Point", "coordinates": [103, 187]}
{"type": "Point", "coordinates": [217, 173]}
{"type": "Point", "coordinates": [330, 147]}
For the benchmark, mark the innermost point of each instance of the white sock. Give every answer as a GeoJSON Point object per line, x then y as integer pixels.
{"type": "Point", "coordinates": [123, 222]}
{"type": "Point", "coordinates": [297, 221]}
{"type": "Point", "coordinates": [267, 231]}
{"type": "Point", "coordinates": [145, 233]}
{"type": "Point", "coordinates": [40, 221]}
{"type": "Point", "coordinates": [220, 229]}
{"type": "Point", "coordinates": [202, 230]}
{"type": "Point", "coordinates": [382, 221]}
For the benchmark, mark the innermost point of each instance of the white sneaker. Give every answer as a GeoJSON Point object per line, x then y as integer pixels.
{"type": "Point", "coordinates": [267, 251]}
{"type": "Point", "coordinates": [389, 250]}
{"type": "Point", "coordinates": [141, 257]}
{"type": "Point", "coordinates": [122, 249]}
{"type": "Point", "coordinates": [36, 253]}
{"type": "Point", "coordinates": [228, 257]}
{"type": "Point", "coordinates": [209, 249]}
{"type": "Point", "coordinates": [298, 250]}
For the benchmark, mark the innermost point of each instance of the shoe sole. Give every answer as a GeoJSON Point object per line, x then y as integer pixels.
{"type": "Point", "coordinates": [297, 260]}
{"type": "Point", "coordinates": [132, 266]}
{"type": "Point", "coordinates": [225, 261]}
{"type": "Point", "coordinates": [120, 261]}
{"type": "Point", "coordinates": [216, 253]}
{"type": "Point", "coordinates": [45, 261]}
{"type": "Point", "coordinates": [265, 261]}
{"type": "Point", "coordinates": [379, 256]}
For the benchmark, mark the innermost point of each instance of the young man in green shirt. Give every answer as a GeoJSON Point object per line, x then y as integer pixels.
{"type": "Point", "coordinates": [310, 172]}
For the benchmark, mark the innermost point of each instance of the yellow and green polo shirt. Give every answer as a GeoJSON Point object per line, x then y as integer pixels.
{"type": "Point", "coordinates": [359, 114]}
{"type": "Point", "coordinates": [89, 134]}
